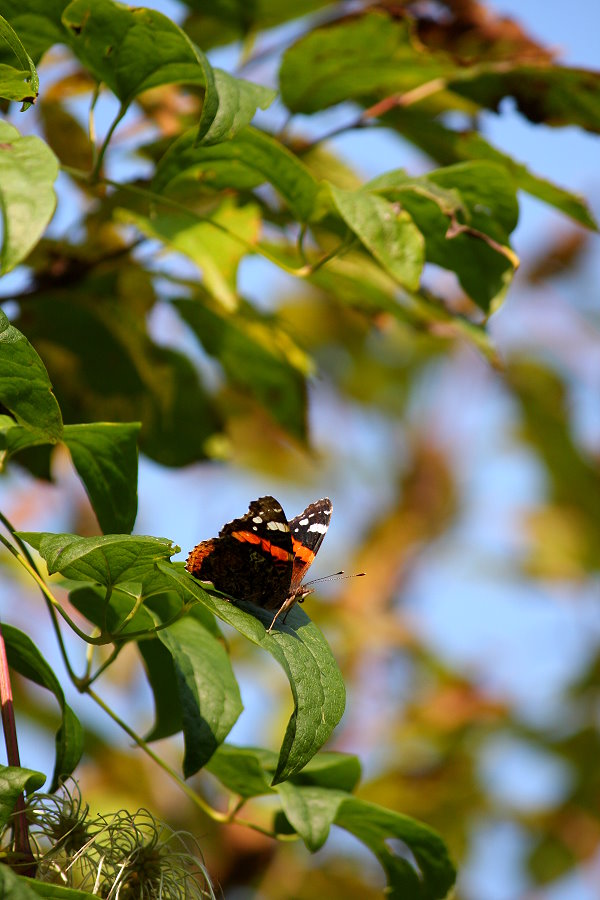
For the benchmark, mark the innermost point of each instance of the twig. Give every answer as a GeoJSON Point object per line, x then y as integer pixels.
{"type": "Point", "coordinates": [25, 862]}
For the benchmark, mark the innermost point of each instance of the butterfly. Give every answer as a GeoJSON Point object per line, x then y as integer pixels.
{"type": "Point", "coordinates": [263, 558]}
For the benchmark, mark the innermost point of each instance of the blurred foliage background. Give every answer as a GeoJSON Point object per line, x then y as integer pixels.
{"type": "Point", "coordinates": [460, 449]}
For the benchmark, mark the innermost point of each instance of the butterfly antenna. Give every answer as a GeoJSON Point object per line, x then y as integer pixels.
{"type": "Point", "coordinates": [339, 576]}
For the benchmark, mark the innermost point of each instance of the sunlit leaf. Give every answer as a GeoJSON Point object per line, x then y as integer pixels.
{"type": "Point", "coordinates": [311, 811]}
{"type": "Point", "coordinates": [133, 49]}
{"type": "Point", "coordinates": [13, 782]}
{"type": "Point", "coordinates": [109, 559]}
{"type": "Point", "coordinates": [212, 243]}
{"type": "Point", "coordinates": [248, 160]}
{"type": "Point", "coordinates": [238, 102]}
{"type": "Point", "coordinates": [470, 237]}
{"type": "Point", "coordinates": [386, 230]}
{"type": "Point", "coordinates": [28, 170]}
{"type": "Point", "coordinates": [555, 95]}
{"type": "Point", "coordinates": [448, 146]}
{"type": "Point", "coordinates": [356, 57]}
{"type": "Point", "coordinates": [48, 891]}
{"type": "Point", "coordinates": [18, 77]}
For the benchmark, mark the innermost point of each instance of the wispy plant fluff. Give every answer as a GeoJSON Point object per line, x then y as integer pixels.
{"type": "Point", "coordinates": [119, 856]}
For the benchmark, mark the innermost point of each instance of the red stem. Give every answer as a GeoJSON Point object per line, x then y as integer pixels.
{"type": "Point", "coordinates": [25, 858]}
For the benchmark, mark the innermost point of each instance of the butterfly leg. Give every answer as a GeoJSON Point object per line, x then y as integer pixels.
{"type": "Point", "coordinates": [282, 611]}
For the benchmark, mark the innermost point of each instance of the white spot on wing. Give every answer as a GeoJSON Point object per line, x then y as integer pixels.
{"type": "Point", "coordinates": [317, 526]}
{"type": "Point", "coordinates": [257, 519]}
{"type": "Point", "coordinates": [277, 526]}
{"type": "Point", "coordinates": [303, 522]}
{"type": "Point", "coordinates": [254, 528]}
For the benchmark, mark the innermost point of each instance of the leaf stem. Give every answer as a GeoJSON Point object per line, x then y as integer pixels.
{"type": "Point", "coordinates": [299, 272]}
{"type": "Point", "coordinates": [53, 617]}
{"type": "Point", "coordinates": [49, 595]}
{"type": "Point", "coordinates": [94, 176]}
{"type": "Point", "coordinates": [228, 818]}
{"type": "Point", "coordinates": [141, 743]}
{"type": "Point", "coordinates": [89, 679]}
{"type": "Point", "coordinates": [91, 120]}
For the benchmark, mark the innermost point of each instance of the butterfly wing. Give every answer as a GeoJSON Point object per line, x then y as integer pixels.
{"type": "Point", "coordinates": [252, 559]}
{"type": "Point", "coordinates": [307, 531]}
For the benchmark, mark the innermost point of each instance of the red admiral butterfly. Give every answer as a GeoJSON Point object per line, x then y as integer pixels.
{"type": "Point", "coordinates": [262, 557]}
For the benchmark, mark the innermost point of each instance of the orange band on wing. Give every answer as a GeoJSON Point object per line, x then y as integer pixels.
{"type": "Point", "coordinates": [302, 552]}
{"type": "Point", "coordinates": [272, 549]}
{"type": "Point", "coordinates": [247, 536]}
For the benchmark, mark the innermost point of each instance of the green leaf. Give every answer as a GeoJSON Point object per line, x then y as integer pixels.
{"type": "Point", "coordinates": [335, 771]}
{"type": "Point", "coordinates": [311, 811]}
{"type": "Point", "coordinates": [356, 280]}
{"type": "Point", "coordinates": [250, 159]}
{"type": "Point", "coordinates": [386, 230]}
{"type": "Point", "coordinates": [12, 887]}
{"type": "Point", "coordinates": [215, 248]}
{"type": "Point", "coordinates": [122, 375]}
{"type": "Point", "coordinates": [470, 234]}
{"type": "Point", "coordinates": [24, 657]}
{"type": "Point", "coordinates": [14, 438]}
{"type": "Point", "coordinates": [246, 771]}
{"type": "Point", "coordinates": [133, 49]}
{"type": "Point", "coordinates": [158, 662]}
{"type": "Point", "coordinates": [37, 22]}
{"type": "Point", "coordinates": [257, 357]}
{"type": "Point", "coordinates": [555, 95]}
{"type": "Point", "coordinates": [218, 22]}
{"type": "Point", "coordinates": [20, 81]}
{"type": "Point", "coordinates": [375, 826]}
{"type": "Point", "coordinates": [105, 456]}
{"type": "Point", "coordinates": [25, 388]}
{"type": "Point", "coordinates": [48, 891]}
{"type": "Point", "coordinates": [15, 781]}
{"type": "Point", "coordinates": [448, 146]}
{"type": "Point", "coordinates": [355, 58]}
{"type": "Point", "coordinates": [120, 614]}
{"type": "Point", "coordinates": [208, 692]}
{"type": "Point", "coordinates": [299, 647]}
{"type": "Point", "coordinates": [28, 170]}
{"type": "Point", "coordinates": [108, 559]}
{"type": "Point", "coordinates": [162, 677]}
{"type": "Point", "coordinates": [238, 102]}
